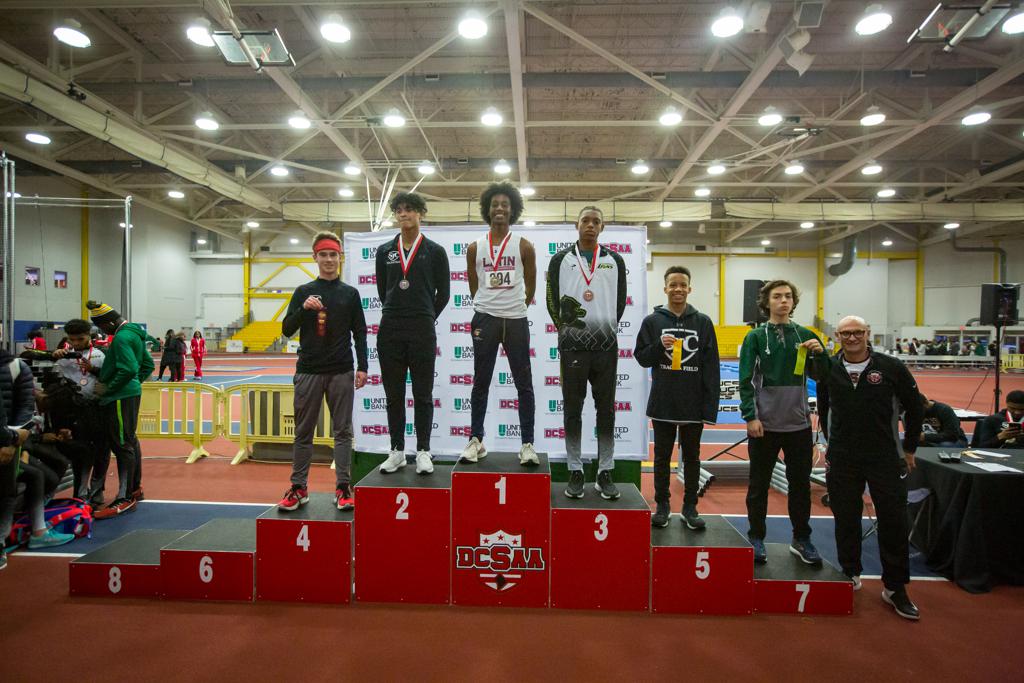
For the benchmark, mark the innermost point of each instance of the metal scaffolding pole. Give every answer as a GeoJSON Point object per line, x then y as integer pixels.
{"type": "Point", "coordinates": [7, 258]}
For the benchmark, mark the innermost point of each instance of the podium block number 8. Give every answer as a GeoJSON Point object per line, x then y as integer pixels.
{"type": "Point", "coordinates": [206, 569]}
{"type": "Point", "coordinates": [703, 566]}
{"type": "Point", "coordinates": [402, 501]}
{"type": "Point", "coordinates": [601, 532]}
{"type": "Point", "coordinates": [115, 580]}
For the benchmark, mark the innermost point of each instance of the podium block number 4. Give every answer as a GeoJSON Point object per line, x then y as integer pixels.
{"type": "Point", "coordinates": [302, 540]}
{"type": "Point", "coordinates": [601, 532]}
{"type": "Point", "coordinates": [804, 589]}
{"type": "Point", "coordinates": [703, 569]}
{"type": "Point", "coordinates": [114, 584]}
{"type": "Point", "coordinates": [206, 569]}
{"type": "Point", "coordinates": [402, 501]}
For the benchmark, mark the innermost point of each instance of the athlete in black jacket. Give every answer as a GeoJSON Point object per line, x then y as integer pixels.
{"type": "Point", "coordinates": [859, 402]}
{"type": "Point", "coordinates": [678, 343]}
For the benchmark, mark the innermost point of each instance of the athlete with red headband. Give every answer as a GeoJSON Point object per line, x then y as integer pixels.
{"type": "Point", "coordinates": [329, 316]}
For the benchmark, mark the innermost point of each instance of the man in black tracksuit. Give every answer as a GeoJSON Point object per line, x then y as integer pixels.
{"type": "Point", "coordinates": [414, 284]}
{"type": "Point", "coordinates": [941, 427]}
{"type": "Point", "coordinates": [678, 343]}
{"type": "Point", "coordinates": [859, 402]}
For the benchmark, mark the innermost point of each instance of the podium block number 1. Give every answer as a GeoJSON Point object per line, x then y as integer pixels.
{"type": "Point", "coordinates": [500, 485]}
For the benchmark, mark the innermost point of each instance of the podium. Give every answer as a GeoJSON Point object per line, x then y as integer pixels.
{"type": "Point", "coordinates": [786, 585]}
{"type": "Point", "coordinates": [500, 532]}
{"type": "Point", "coordinates": [403, 536]}
{"type": "Point", "coordinates": [600, 550]}
{"type": "Point", "coordinates": [126, 568]}
{"type": "Point", "coordinates": [305, 555]}
{"type": "Point", "coordinates": [701, 572]}
{"type": "Point", "coordinates": [214, 562]}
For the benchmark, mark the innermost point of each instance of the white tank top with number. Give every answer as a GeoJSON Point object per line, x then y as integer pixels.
{"type": "Point", "coordinates": [502, 289]}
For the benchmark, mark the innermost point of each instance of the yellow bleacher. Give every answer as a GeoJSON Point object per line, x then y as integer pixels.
{"type": "Point", "coordinates": [259, 335]}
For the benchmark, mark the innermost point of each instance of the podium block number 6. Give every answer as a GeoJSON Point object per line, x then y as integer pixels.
{"type": "Point", "coordinates": [206, 569]}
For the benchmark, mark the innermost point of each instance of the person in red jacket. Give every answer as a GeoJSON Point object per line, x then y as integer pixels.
{"type": "Point", "coordinates": [198, 352]}
{"type": "Point", "coordinates": [36, 341]}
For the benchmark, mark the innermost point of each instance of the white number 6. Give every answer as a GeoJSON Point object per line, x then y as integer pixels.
{"type": "Point", "coordinates": [206, 569]}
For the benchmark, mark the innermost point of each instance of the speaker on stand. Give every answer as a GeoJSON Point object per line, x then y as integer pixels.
{"type": "Point", "coordinates": [999, 308]}
{"type": "Point", "coordinates": [752, 315]}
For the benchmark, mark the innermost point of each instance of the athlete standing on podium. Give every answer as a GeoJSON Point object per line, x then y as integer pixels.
{"type": "Point", "coordinates": [414, 283]}
{"type": "Point", "coordinates": [586, 297]}
{"type": "Point", "coordinates": [502, 270]}
{"type": "Point", "coordinates": [330, 316]}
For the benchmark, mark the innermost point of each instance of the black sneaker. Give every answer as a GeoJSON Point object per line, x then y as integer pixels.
{"type": "Point", "coordinates": [760, 552]}
{"type": "Point", "coordinates": [661, 515]}
{"type": "Point", "coordinates": [605, 486]}
{"type": "Point", "coordinates": [900, 602]}
{"type": "Point", "coordinates": [575, 487]}
{"type": "Point", "coordinates": [806, 551]}
{"type": "Point", "coordinates": [691, 519]}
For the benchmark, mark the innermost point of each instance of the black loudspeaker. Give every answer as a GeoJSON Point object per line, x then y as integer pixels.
{"type": "Point", "coordinates": [999, 304]}
{"type": "Point", "coordinates": [751, 313]}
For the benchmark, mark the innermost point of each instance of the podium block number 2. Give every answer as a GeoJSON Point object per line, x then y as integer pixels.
{"type": "Point", "coordinates": [402, 501]}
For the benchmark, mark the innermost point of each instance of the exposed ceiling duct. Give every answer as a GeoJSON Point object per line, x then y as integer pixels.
{"type": "Point", "coordinates": [848, 259]}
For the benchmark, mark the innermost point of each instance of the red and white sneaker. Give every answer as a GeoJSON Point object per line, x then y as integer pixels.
{"type": "Point", "coordinates": [343, 497]}
{"type": "Point", "coordinates": [293, 498]}
{"type": "Point", "coordinates": [118, 507]}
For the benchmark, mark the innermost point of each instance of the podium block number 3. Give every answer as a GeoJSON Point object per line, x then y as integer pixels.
{"type": "Point", "coordinates": [601, 532]}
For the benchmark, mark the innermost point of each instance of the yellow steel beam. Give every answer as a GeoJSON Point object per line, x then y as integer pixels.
{"type": "Point", "coordinates": [85, 255]}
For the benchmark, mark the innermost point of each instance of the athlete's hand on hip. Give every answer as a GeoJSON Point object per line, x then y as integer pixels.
{"type": "Point", "coordinates": [909, 457]}
{"type": "Point", "coordinates": [360, 379]}
{"type": "Point", "coordinates": [813, 345]}
{"type": "Point", "coordinates": [313, 303]}
{"type": "Point", "coordinates": [668, 341]}
{"type": "Point", "coordinates": [755, 429]}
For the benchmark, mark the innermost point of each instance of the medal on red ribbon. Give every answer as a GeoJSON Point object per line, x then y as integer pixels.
{"type": "Point", "coordinates": [588, 273]}
{"type": "Point", "coordinates": [407, 262]}
{"type": "Point", "coordinates": [496, 279]}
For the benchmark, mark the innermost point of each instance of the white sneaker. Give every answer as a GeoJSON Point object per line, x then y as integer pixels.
{"type": "Point", "coordinates": [395, 460]}
{"type": "Point", "coordinates": [528, 455]}
{"type": "Point", "coordinates": [424, 462]}
{"type": "Point", "coordinates": [474, 451]}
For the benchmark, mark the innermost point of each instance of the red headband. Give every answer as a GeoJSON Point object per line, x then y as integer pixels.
{"type": "Point", "coordinates": [327, 243]}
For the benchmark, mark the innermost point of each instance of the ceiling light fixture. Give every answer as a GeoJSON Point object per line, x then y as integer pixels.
{"type": "Point", "coordinates": [294, 240]}
{"type": "Point", "coordinates": [200, 241]}
{"type": "Point", "coordinates": [502, 168]}
{"type": "Point", "coordinates": [351, 169]}
{"type": "Point", "coordinates": [885, 193]}
{"type": "Point", "coordinates": [728, 23]}
{"type": "Point", "coordinates": [279, 171]}
{"type": "Point", "coordinates": [334, 30]}
{"type": "Point", "coordinates": [872, 168]}
{"type": "Point", "coordinates": [527, 191]}
{"type": "Point", "coordinates": [875, 20]}
{"type": "Point", "coordinates": [394, 119]}
{"type": "Point", "coordinates": [426, 168]}
{"type": "Point", "coordinates": [529, 224]}
{"type": "Point", "coordinates": [491, 117]}
{"type": "Point", "coordinates": [975, 117]}
{"type": "Point", "coordinates": [716, 168]}
{"type": "Point", "coordinates": [38, 138]}
{"type": "Point", "coordinates": [765, 243]}
{"type": "Point", "coordinates": [951, 226]}
{"type": "Point", "coordinates": [1015, 24]}
{"type": "Point", "coordinates": [670, 117]}
{"type": "Point", "coordinates": [252, 224]}
{"type": "Point", "coordinates": [472, 26]}
{"type": "Point", "coordinates": [639, 168]}
{"type": "Point", "coordinates": [70, 33]}
{"type": "Point", "coordinates": [175, 194]}
{"type": "Point", "coordinates": [345, 191]}
{"type": "Point", "coordinates": [702, 192]}
{"type": "Point", "coordinates": [299, 121]}
{"type": "Point", "coordinates": [665, 224]}
{"type": "Point", "coordinates": [770, 117]}
{"type": "Point", "coordinates": [205, 121]}
{"type": "Point", "coordinates": [872, 117]}
{"type": "Point", "coordinates": [199, 32]}
{"type": "Point", "coordinates": [887, 242]}
{"type": "Point", "coordinates": [793, 169]}
{"type": "Point", "coordinates": [807, 225]}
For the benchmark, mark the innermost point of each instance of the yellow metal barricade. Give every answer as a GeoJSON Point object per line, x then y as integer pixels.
{"type": "Point", "coordinates": [1014, 361]}
{"type": "Point", "coordinates": [264, 413]}
{"type": "Point", "coordinates": [182, 410]}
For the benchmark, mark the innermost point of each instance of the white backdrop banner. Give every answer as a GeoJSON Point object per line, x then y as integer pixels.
{"type": "Point", "coordinates": [453, 377]}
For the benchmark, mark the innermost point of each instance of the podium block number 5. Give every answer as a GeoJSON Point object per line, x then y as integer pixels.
{"type": "Point", "coordinates": [703, 566]}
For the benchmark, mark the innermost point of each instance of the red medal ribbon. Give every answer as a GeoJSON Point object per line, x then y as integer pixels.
{"type": "Point", "coordinates": [593, 265]}
{"type": "Point", "coordinates": [501, 249]}
{"type": "Point", "coordinates": [407, 262]}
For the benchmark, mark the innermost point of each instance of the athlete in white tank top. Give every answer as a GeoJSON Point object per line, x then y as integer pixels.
{"type": "Point", "coordinates": [501, 288]}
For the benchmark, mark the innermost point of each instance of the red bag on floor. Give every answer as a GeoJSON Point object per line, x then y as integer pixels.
{"type": "Point", "coordinates": [64, 515]}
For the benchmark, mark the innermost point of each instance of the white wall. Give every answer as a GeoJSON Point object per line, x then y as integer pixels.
{"type": "Point", "coordinates": [704, 280]}
{"type": "Point", "coordinates": [901, 301]}
{"type": "Point", "coordinates": [802, 272]}
{"type": "Point", "coordinates": [861, 291]}
{"type": "Point", "coordinates": [952, 281]}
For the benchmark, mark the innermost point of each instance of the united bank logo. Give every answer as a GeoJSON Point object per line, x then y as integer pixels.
{"type": "Point", "coordinates": [556, 406]}
{"type": "Point", "coordinates": [501, 559]}
{"type": "Point", "coordinates": [553, 353]}
{"type": "Point", "coordinates": [462, 405]}
{"type": "Point", "coordinates": [410, 428]}
{"type": "Point", "coordinates": [462, 352]}
{"type": "Point", "coordinates": [460, 248]}
{"type": "Point", "coordinates": [462, 301]}
{"type": "Point", "coordinates": [372, 303]}
{"type": "Point", "coordinates": [375, 404]}
{"type": "Point", "coordinates": [369, 253]}
{"type": "Point", "coordinates": [555, 247]}
{"type": "Point", "coordinates": [624, 406]}
{"type": "Point", "coordinates": [505, 379]}
{"type": "Point", "coordinates": [509, 431]}
{"type": "Point", "coordinates": [372, 353]}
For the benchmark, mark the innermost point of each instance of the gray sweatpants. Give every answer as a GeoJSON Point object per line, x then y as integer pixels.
{"type": "Point", "coordinates": [309, 395]}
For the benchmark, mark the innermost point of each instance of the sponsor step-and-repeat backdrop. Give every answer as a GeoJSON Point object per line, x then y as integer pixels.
{"type": "Point", "coordinates": [453, 376]}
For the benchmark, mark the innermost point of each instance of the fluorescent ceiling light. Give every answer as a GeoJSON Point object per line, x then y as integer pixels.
{"type": "Point", "coordinates": [200, 241]}
{"type": "Point", "coordinates": [875, 20]}
{"type": "Point", "coordinates": [527, 191]}
{"type": "Point", "coordinates": [491, 117]}
{"type": "Point", "coordinates": [887, 242]}
{"type": "Point", "coordinates": [472, 26]}
{"type": "Point", "coordinates": [279, 171]}
{"type": "Point", "coordinates": [728, 24]}
{"type": "Point", "coordinates": [16, 195]}
{"type": "Point", "coordinates": [199, 33]}
{"type": "Point", "coordinates": [425, 168]}
{"type": "Point", "coordinates": [70, 33]}
{"type": "Point", "coordinates": [351, 169]}
{"type": "Point", "coordinates": [872, 168]}
{"type": "Point", "coordinates": [639, 168]}
{"type": "Point", "coordinates": [502, 168]}
{"type": "Point", "coordinates": [872, 117]}
{"type": "Point", "coordinates": [299, 121]}
{"type": "Point", "coordinates": [951, 226]}
{"type": "Point", "coordinates": [793, 169]}
{"type": "Point", "coordinates": [206, 121]}
{"type": "Point", "coordinates": [886, 192]}
{"type": "Point", "coordinates": [807, 225]}
{"type": "Point", "coordinates": [770, 117]}
{"type": "Point", "coordinates": [334, 30]}
{"type": "Point", "coordinates": [702, 192]}
{"type": "Point", "coordinates": [670, 117]}
{"type": "Point", "coordinates": [975, 117]}
{"type": "Point", "coordinates": [294, 240]}
{"type": "Point", "coordinates": [175, 194]}
{"type": "Point", "coordinates": [716, 169]}
{"type": "Point", "coordinates": [394, 119]}
{"type": "Point", "coordinates": [37, 138]}
{"type": "Point", "coordinates": [252, 224]}
{"type": "Point", "coordinates": [665, 224]}
{"type": "Point", "coordinates": [765, 243]}
{"type": "Point", "coordinates": [130, 225]}
{"type": "Point", "coordinates": [1015, 24]}
{"type": "Point", "coordinates": [345, 192]}
{"type": "Point", "coordinates": [529, 224]}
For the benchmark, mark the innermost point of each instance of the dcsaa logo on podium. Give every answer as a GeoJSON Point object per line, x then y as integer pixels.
{"type": "Point", "coordinates": [500, 559]}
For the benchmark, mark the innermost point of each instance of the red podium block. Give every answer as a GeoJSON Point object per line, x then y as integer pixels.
{"type": "Point", "coordinates": [701, 572]}
{"type": "Point", "coordinates": [403, 532]}
{"type": "Point", "coordinates": [214, 562]}
{"type": "Point", "coordinates": [305, 555]}
{"type": "Point", "coordinates": [126, 568]}
{"type": "Point", "coordinates": [600, 550]}
{"type": "Point", "coordinates": [500, 532]}
{"type": "Point", "coordinates": [788, 586]}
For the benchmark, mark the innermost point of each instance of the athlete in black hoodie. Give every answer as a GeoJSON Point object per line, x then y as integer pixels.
{"type": "Point", "coordinates": [678, 343]}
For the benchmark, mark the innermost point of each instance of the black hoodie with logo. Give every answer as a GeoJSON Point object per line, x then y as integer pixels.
{"type": "Point", "coordinates": [691, 393]}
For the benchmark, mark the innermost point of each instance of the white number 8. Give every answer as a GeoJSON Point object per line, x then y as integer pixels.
{"type": "Point", "coordinates": [115, 580]}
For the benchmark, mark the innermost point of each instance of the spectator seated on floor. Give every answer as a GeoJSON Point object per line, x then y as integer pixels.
{"type": "Point", "coordinates": [1003, 429]}
{"type": "Point", "coordinates": [69, 433]}
{"type": "Point", "coordinates": [941, 426]}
